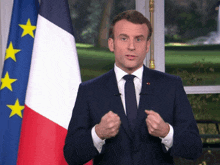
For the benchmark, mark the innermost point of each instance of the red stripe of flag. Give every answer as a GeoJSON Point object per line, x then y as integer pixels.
{"type": "Point", "coordinates": [40, 148]}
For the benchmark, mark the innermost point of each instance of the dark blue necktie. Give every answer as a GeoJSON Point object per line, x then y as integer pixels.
{"type": "Point", "coordinates": [130, 100]}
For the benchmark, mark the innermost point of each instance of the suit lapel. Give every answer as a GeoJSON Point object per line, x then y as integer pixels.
{"type": "Point", "coordinates": [146, 96]}
{"type": "Point", "coordinates": [116, 103]}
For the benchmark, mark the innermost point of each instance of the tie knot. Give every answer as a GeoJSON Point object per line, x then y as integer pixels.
{"type": "Point", "coordinates": [129, 77]}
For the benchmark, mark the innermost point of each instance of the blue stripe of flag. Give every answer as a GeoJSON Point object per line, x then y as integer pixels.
{"type": "Point", "coordinates": [60, 16]}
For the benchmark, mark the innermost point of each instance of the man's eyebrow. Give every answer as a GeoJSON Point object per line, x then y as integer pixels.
{"type": "Point", "coordinates": [140, 36]}
{"type": "Point", "coordinates": [124, 35]}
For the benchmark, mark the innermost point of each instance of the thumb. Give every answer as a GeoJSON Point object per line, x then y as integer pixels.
{"type": "Point", "coordinates": [148, 112]}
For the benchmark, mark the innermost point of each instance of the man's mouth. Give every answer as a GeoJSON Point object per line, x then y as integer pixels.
{"type": "Point", "coordinates": [130, 57]}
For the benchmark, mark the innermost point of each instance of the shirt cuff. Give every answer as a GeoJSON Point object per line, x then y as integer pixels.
{"type": "Point", "coordinates": [168, 140]}
{"type": "Point", "coordinates": [98, 143]}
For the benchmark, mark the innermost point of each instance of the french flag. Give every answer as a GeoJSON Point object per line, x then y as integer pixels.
{"type": "Point", "coordinates": [52, 87]}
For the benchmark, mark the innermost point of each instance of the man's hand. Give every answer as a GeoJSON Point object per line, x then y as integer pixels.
{"type": "Point", "coordinates": [156, 125]}
{"type": "Point", "coordinates": [108, 126]}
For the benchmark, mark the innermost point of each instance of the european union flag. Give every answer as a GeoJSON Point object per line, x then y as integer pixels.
{"type": "Point", "coordinates": [15, 77]}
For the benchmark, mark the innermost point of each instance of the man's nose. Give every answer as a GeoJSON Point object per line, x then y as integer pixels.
{"type": "Point", "coordinates": [131, 45]}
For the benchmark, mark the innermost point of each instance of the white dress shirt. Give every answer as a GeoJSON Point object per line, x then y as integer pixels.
{"type": "Point", "coordinates": [98, 143]}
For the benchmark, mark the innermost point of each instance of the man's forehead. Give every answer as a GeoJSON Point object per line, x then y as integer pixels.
{"type": "Point", "coordinates": [129, 28]}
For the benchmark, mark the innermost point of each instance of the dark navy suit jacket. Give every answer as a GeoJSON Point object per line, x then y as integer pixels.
{"type": "Point", "coordinates": [160, 92]}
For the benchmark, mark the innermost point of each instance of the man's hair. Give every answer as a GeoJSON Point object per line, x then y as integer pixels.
{"type": "Point", "coordinates": [131, 16]}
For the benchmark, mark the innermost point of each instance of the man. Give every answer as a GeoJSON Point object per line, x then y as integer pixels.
{"type": "Point", "coordinates": [109, 128]}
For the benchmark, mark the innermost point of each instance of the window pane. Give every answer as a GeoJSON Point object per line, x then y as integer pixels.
{"type": "Point", "coordinates": [192, 38]}
{"type": "Point", "coordinates": [194, 67]}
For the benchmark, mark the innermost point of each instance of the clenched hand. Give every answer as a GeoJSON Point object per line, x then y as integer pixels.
{"type": "Point", "coordinates": [156, 125]}
{"type": "Point", "coordinates": [108, 126]}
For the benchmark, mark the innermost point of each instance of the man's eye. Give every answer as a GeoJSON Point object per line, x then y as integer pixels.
{"type": "Point", "coordinates": [123, 39]}
{"type": "Point", "coordinates": [138, 39]}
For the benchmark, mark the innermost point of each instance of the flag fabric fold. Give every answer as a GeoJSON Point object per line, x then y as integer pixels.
{"type": "Point", "coordinates": [52, 87]}
{"type": "Point", "coordinates": [14, 77]}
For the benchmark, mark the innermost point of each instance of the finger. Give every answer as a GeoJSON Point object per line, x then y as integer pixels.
{"type": "Point", "coordinates": [114, 118]}
{"type": "Point", "coordinates": [115, 133]}
{"type": "Point", "coordinates": [148, 121]}
{"type": "Point", "coordinates": [112, 114]}
{"type": "Point", "coordinates": [114, 121]}
{"type": "Point", "coordinates": [109, 116]}
{"type": "Point", "coordinates": [151, 123]}
{"type": "Point", "coordinates": [118, 126]}
{"type": "Point", "coordinates": [150, 117]}
{"type": "Point", "coordinates": [149, 127]}
{"type": "Point", "coordinates": [149, 112]}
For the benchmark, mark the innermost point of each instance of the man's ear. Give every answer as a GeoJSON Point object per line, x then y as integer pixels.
{"type": "Point", "coordinates": [111, 44]}
{"type": "Point", "coordinates": [148, 45]}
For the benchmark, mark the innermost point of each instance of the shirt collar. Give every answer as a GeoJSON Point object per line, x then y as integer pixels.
{"type": "Point", "coordinates": [120, 73]}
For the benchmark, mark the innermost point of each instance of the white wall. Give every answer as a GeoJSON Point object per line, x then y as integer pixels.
{"type": "Point", "coordinates": [5, 17]}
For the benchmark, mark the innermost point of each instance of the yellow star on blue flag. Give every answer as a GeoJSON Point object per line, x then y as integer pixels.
{"type": "Point", "coordinates": [10, 52]}
{"type": "Point", "coordinates": [7, 81]}
{"type": "Point", "coordinates": [16, 109]}
{"type": "Point", "coordinates": [28, 28]}
{"type": "Point", "coordinates": [15, 77]}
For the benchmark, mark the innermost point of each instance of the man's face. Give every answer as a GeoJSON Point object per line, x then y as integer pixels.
{"type": "Point", "coordinates": [129, 45]}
